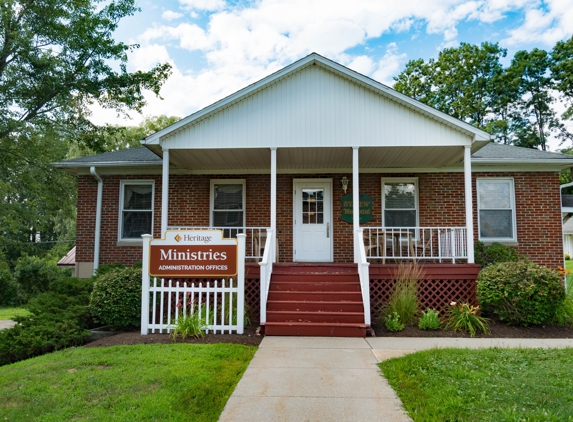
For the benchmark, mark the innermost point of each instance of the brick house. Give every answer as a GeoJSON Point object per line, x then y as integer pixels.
{"type": "Point", "coordinates": [279, 161]}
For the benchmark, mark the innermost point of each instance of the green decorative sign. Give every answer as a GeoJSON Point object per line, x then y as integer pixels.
{"type": "Point", "coordinates": [365, 208]}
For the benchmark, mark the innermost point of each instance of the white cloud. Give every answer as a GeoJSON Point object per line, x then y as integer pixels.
{"type": "Point", "coordinates": [209, 5]}
{"type": "Point", "coordinates": [170, 15]}
{"type": "Point", "coordinates": [241, 43]}
{"type": "Point", "coordinates": [547, 24]}
{"type": "Point", "coordinates": [389, 66]}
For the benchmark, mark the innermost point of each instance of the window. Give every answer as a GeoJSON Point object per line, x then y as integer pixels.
{"type": "Point", "coordinates": [496, 209]}
{"type": "Point", "coordinates": [136, 209]}
{"type": "Point", "coordinates": [228, 205]}
{"type": "Point", "coordinates": [400, 202]}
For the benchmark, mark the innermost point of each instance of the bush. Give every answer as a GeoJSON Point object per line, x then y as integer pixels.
{"type": "Point", "coordinates": [35, 336]}
{"type": "Point", "coordinates": [106, 268]}
{"type": "Point", "coordinates": [33, 276]}
{"type": "Point", "coordinates": [497, 252]}
{"type": "Point", "coordinates": [567, 257]}
{"type": "Point", "coordinates": [520, 293]}
{"type": "Point", "coordinates": [8, 287]}
{"type": "Point", "coordinates": [404, 298]}
{"type": "Point", "coordinates": [430, 320]}
{"type": "Point", "coordinates": [116, 299]}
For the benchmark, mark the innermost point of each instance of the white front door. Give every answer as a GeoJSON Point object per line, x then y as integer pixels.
{"type": "Point", "coordinates": [313, 220]}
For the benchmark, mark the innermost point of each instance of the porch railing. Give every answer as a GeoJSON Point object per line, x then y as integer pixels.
{"type": "Point", "coordinates": [363, 274]}
{"type": "Point", "coordinates": [266, 266]}
{"type": "Point", "coordinates": [438, 244]}
{"type": "Point", "coordinates": [255, 241]}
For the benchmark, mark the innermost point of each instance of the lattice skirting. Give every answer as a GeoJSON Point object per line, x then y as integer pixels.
{"type": "Point", "coordinates": [442, 284]}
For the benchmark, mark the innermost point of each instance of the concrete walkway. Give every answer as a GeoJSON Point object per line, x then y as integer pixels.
{"type": "Point", "coordinates": [335, 379]}
{"type": "Point", "coordinates": [6, 323]}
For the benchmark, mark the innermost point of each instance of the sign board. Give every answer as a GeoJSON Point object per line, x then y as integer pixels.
{"type": "Point", "coordinates": [365, 208]}
{"type": "Point", "coordinates": [200, 253]}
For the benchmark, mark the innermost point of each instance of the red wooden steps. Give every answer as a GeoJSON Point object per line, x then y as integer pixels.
{"type": "Point", "coordinates": [315, 300]}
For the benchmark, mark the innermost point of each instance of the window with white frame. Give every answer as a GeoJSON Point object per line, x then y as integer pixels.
{"type": "Point", "coordinates": [135, 209]}
{"type": "Point", "coordinates": [400, 202]}
{"type": "Point", "coordinates": [496, 209]}
{"type": "Point", "coordinates": [228, 204]}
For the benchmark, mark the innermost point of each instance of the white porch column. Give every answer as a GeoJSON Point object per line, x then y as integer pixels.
{"type": "Point", "coordinates": [274, 188]}
{"type": "Point", "coordinates": [469, 203]}
{"type": "Point", "coordinates": [165, 191]}
{"type": "Point", "coordinates": [355, 199]}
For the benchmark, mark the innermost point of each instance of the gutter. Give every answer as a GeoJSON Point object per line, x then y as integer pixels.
{"type": "Point", "coordinates": [98, 217]}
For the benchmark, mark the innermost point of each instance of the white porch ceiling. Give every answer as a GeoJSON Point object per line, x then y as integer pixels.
{"type": "Point", "coordinates": [315, 159]}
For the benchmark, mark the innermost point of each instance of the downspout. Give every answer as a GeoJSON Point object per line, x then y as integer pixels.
{"type": "Point", "coordinates": [98, 217]}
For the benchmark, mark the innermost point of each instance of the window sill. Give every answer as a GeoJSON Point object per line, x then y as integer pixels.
{"type": "Point", "coordinates": [130, 242]}
{"type": "Point", "coordinates": [503, 242]}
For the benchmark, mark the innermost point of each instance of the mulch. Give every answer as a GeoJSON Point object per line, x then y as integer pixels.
{"type": "Point", "coordinates": [252, 338]}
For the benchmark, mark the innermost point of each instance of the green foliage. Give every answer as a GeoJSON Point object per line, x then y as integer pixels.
{"type": "Point", "coordinates": [116, 298]}
{"type": "Point", "coordinates": [37, 335]}
{"type": "Point", "coordinates": [393, 322]}
{"type": "Point", "coordinates": [58, 319]}
{"type": "Point", "coordinates": [567, 257]}
{"type": "Point", "coordinates": [430, 320]}
{"type": "Point", "coordinates": [521, 293]}
{"type": "Point", "coordinates": [564, 312]}
{"type": "Point", "coordinates": [191, 325]}
{"type": "Point", "coordinates": [8, 287]}
{"type": "Point", "coordinates": [404, 298]}
{"type": "Point", "coordinates": [151, 382]}
{"type": "Point", "coordinates": [496, 252]}
{"type": "Point", "coordinates": [33, 275]}
{"type": "Point", "coordinates": [515, 103]}
{"type": "Point", "coordinates": [106, 268]}
{"type": "Point", "coordinates": [489, 384]}
{"type": "Point", "coordinates": [464, 317]}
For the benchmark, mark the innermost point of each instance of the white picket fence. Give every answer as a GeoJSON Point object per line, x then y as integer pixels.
{"type": "Point", "coordinates": [214, 303]}
{"type": "Point", "coordinates": [220, 304]}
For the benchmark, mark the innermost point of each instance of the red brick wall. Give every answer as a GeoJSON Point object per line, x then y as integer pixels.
{"type": "Point", "coordinates": [441, 204]}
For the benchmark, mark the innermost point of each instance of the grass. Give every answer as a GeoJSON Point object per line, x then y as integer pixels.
{"type": "Point", "coordinates": [11, 312]}
{"type": "Point", "coordinates": [484, 384]}
{"type": "Point", "coordinates": [171, 382]}
{"type": "Point", "coordinates": [569, 266]}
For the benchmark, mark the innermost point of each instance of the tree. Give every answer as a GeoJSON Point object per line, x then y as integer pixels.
{"type": "Point", "coordinates": [535, 117]}
{"type": "Point", "coordinates": [562, 72]}
{"type": "Point", "coordinates": [57, 57]}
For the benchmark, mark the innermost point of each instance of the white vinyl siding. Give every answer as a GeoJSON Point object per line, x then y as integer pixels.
{"type": "Point", "coordinates": [315, 108]}
{"type": "Point", "coordinates": [228, 203]}
{"type": "Point", "coordinates": [496, 210]}
{"type": "Point", "coordinates": [400, 202]}
{"type": "Point", "coordinates": [135, 209]}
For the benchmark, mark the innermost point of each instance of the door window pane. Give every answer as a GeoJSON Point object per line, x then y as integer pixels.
{"type": "Point", "coordinates": [312, 206]}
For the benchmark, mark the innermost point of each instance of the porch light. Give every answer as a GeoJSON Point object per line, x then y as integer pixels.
{"type": "Point", "coordinates": [344, 183]}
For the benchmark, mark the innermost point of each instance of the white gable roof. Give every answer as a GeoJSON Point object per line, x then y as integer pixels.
{"type": "Point", "coordinates": [316, 102]}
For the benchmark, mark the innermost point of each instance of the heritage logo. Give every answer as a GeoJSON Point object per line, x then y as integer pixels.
{"type": "Point", "coordinates": [193, 254]}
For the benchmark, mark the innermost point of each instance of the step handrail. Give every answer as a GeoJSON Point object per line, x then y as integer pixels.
{"type": "Point", "coordinates": [363, 273]}
{"type": "Point", "coordinates": [266, 268]}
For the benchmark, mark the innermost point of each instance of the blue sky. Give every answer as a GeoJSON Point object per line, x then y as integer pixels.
{"type": "Point", "coordinates": [217, 47]}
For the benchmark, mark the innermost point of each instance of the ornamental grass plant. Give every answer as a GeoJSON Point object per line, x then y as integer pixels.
{"type": "Point", "coordinates": [430, 320]}
{"type": "Point", "coordinates": [404, 298]}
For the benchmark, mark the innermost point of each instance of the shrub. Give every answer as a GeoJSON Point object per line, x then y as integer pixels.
{"type": "Point", "coordinates": [33, 276]}
{"type": "Point", "coordinates": [567, 257]}
{"type": "Point", "coordinates": [497, 252]}
{"type": "Point", "coordinates": [35, 336]}
{"type": "Point", "coordinates": [520, 293]}
{"type": "Point", "coordinates": [8, 287]}
{"type": "Point", "coordinates": [430, 320]}
{"type": "Point", "coordinates": [106, 268]}
{"type": "Point", "coordinates": [393, 322]}
{"type": "Point", "coordinates": [404, 298]}
{"type": "Point", "coordinates": [116, 298]}
{"type": "Point", "coordinates": [464, 317]}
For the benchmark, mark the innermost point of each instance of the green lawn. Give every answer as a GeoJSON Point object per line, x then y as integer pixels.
{"type": "Point", "coordinates": [162, 382]}
{"type": "Point", "coordinates": [485, 384]}
{"type": "Point", "coordinates": [569, 266]}
{"type": "Point", "coordinates": [11, 312]}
